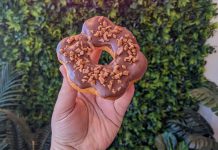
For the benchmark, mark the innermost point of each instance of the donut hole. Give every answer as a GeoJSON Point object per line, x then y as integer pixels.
{"type": "Point", "coordinates": [105, 58]}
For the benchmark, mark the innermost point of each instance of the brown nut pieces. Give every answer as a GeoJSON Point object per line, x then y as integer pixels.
{"type": "Point", "coordinates": [77, 50]}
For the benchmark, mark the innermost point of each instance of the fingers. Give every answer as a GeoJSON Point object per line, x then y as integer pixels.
{"type": "Point", "coordinates": [122, 103]}
{"type": "Point", "coordinates": [95, 55]}
{"type": "Point", "coordinates": [72, 127]}
{"type": "Point", "coordinates": [70, 115]}
{"type": "Point", "coordinates": [66, 98]}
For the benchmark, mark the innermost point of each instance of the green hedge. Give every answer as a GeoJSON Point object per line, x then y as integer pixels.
{"type": "Point", "coordinates": [171, 33]}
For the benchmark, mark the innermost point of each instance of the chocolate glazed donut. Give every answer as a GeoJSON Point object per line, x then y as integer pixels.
{"type": "Point", "coordinates": [108, 81]}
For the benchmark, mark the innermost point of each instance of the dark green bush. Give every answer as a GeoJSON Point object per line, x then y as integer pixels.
{"type": "Point", "coordinates": [171, 33]}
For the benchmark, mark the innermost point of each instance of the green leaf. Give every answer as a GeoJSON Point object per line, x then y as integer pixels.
{"type": "Point", "coordinates": [159, 143]}
{"type": "Point", "coordinates": [9, 87]}
{"type": "Point", "coordinates": [200, 142]}
{"type": "Point", "coordinates": [16, 130]}
{"type": "Point", "coordinates": [166, 141]}
{"type": "Point", "coordinates": [182, 146]}
{"type": "Point", "coordinates": [113, 13]}
{"type": "Point", "coordinates": [207, 95]}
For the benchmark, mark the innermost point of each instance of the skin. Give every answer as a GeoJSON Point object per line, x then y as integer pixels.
{"type": "Point", "coordinates": [84, 121]}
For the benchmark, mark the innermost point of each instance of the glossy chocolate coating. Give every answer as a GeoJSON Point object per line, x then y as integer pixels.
{"type": "Point", "coordinates": [128, 65]}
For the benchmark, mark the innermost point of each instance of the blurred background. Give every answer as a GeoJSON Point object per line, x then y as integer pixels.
{"type": "Point", "coordinates": [163, 115]}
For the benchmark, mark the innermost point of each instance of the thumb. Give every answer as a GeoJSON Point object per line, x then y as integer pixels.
{"type": "Point", "coordinates": [66, 97]}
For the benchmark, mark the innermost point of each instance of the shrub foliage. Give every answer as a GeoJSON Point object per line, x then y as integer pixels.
{"type": "Point", "coordinates": [189, 130]}
{"type": "Point", "coordinates": [171, 33]}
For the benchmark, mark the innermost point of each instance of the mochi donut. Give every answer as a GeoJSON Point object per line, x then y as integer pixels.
{"type": "Point", "coordinates": [110, 80]}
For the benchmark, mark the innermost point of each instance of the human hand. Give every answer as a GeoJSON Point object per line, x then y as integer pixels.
{"type": "Point", "coordinates": [85, 121]}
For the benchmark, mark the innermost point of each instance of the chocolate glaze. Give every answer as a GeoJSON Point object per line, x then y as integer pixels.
{"type": "Point", "coordinates": [74, 52]}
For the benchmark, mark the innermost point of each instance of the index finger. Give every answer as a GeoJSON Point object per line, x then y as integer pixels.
{"type": "Point", "coordinates": [66, 98]}
{"type": "Point", "coordinates": [96, 54]}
